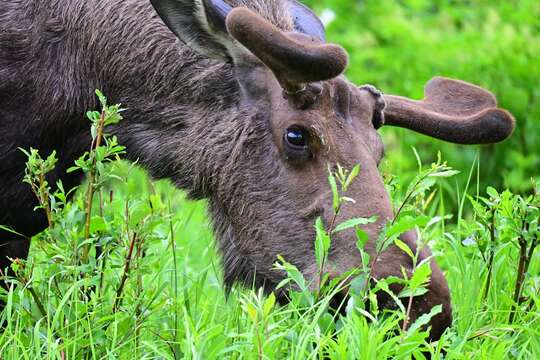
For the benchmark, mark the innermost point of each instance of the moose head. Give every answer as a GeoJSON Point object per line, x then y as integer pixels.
{"type": "Point", "coordinates": [299, 115]}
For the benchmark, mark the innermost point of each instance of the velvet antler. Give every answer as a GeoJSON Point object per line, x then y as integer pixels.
{"type": "Point", "coordinates": [293, 60]}
{"type": "Point", "coordinates": [452, 110]}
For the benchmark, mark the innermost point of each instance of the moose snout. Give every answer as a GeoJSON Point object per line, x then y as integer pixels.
{"type": "Point", "coordinates": [390, 263]}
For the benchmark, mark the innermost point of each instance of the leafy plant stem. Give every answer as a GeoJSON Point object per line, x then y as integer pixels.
{"type": "Point", "coordinates": [91, 178]}
{"type": "Point", "coordinates": [127, 265]}
{"type": "Point", "coordinates": [44, 199]}
{"type": "Point", "coordinates": [334, 218]}
{"type": "Point", "coordinates": [35, 296]}
{"type": "Point", "coordinates": [408, 197]}
{"type": "Point", "coordinates": [530, 254]}
{"type": "Point", "coordinates": [38, 301]}
{"type": "Point", "coordinates": [259, 342]}
{"type": "Point", "coordinates": [407, 314]}
{"type": "Point", "coordinates": [411, 296]}
{"type": "Point", "coordinates": [491, 254]}
{"type": "Point", "coordinates": [330, 232]}
{"type": "Point", "coordinates": [520, 274]}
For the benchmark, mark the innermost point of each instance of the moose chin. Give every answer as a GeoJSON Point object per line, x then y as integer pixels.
{"type": "Point", "coordinates": [241, 102]}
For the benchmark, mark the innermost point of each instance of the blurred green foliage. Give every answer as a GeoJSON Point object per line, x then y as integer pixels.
{"type": "Point", "coordinates": [398, 45]}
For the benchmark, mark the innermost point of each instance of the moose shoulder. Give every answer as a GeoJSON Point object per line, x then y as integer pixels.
{"type": "Point", "coordinates": [241, 102]}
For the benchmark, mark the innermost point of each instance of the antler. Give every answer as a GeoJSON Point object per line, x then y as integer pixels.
{"type": "Point", "coordinates": [454, 111]}
{"type": "Point", "coordinates": [294, 61]}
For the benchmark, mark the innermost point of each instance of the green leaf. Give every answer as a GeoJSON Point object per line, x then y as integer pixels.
{"type": "Point", "coordinates": [269, 304]}
{"type": "Point", "coordinates": [358, 285]}
{"type": "Point", "coordinates": [404, 247]}
{"type": "Point", "coordinates": [383, 284]}
{"type": "Point", "coordinates": [418, 159]}
{"type": "Point", "coordinates": [352, 175]}
{"type": "Point", "coordinates": [421, 275]}
{"type": "Point", "coordinates": [283, 283]}
{"type": "Point", "coordinates": [341, 173]}
{"type": "Point", "coordinates": [408, 292]}
{"type": "Point", "coordinates": [93, 132]}
{"type": "Point", "coordinates": [354, 222]}
{"type": "Point", "coordinates": [424, 319]}
{"type": "Point", "coordinates": [444, 174]}
{"type": "Point", "coordinates": [101, 98]}
{"type": "Point", "coordinates": [97, 224]}
{"type": "Point", "coordinates": [93, 115]}
{"type": "Point", "coordinates": [365, 257]}
{"type": "Point", "coordinates": [251, 311]}
{"type": "Point", "coordinates": [335, 192]}
{"type": "Point", "coordinates": [406, 223]}
{"type": "Point", "coordinates": [72, 169]}
{"type": "Point", "coordinates": [362, 237]}
{"type": "Point", "coordinates": [322, 243]}
{"type": "Point", "coordinates": [292, 272]}
{"type": "Point", "coordinates": [491, 191]}
{"type": "Point", "coordinates": [326, 323]}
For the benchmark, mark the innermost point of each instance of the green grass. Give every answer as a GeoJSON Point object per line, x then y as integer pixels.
{"type": "Point", "coordinates": [174, 303]}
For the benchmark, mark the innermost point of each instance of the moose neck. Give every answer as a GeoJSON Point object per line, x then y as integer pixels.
{"type": "Point", "coordinates": [182, 109]}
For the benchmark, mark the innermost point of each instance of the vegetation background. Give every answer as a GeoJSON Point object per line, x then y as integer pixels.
{"type": "Point", "coordinates": [170, 302]}
{"type": "Point", "coordinates": [398, 45]}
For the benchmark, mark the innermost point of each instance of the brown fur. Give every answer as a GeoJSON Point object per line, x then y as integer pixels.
{"type": "Point", "coordinates": [214, 128]}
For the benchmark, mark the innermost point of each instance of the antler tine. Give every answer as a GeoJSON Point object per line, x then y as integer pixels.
{"type": "Point", "coordinates": [294, 63]}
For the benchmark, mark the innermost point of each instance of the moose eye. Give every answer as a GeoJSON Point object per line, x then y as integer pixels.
{"type": "Point", "coordinates": [297, 138]}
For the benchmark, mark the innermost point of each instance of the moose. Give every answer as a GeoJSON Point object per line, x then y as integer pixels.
{"type": "Point", "coordinates": [241, 102]}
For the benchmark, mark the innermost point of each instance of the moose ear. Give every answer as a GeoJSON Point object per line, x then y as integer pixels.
{"type": "Point", "coordinates": [200, 24]}
{"type": "Point", "coordinates": [452, 110]}
{"type": "Point", "coordinates": [305, 21]}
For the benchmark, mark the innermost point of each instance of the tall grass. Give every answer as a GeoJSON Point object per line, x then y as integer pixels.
{"type": "Point", "coordinates": [182, 311]}
{"type": "Point", "coordinates": [151, 285]}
